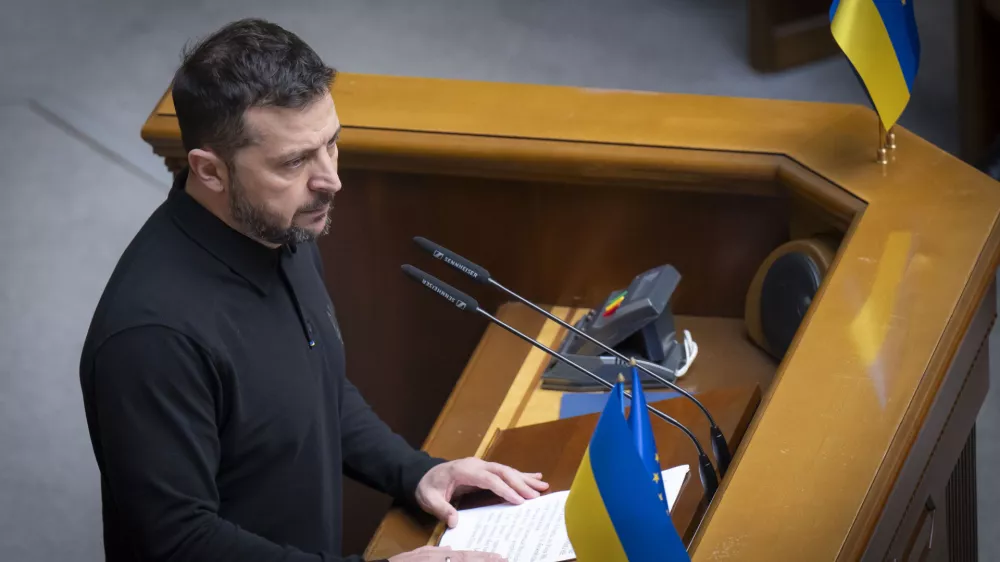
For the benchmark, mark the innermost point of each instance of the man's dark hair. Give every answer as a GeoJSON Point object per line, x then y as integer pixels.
{"type": "Point", "coordinates": [248, 63]}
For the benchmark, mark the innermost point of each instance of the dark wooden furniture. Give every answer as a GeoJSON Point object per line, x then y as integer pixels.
{"type": "Point", "coordinates": [978, 36]}
{"type": "Point", "coordinates": [566, 193]}
{"type": "Point", "coordinates": [782, 34]}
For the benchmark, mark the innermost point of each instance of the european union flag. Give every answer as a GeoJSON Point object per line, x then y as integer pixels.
{"type": "Point", "coordinates": [642, 436]}
{"type": "Point", "coordinates": [880, 40]}
{"type": "Point", "coordinates": [615, 511]}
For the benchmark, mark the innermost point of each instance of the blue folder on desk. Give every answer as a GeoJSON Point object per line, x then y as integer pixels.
{"type": "Point", "coordinates": [580, 404]}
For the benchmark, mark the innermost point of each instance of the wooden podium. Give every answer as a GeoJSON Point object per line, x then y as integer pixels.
{"type": "Point", "coordinates": [525, 430]}
{"type": "Point", "coordinates": [862, 445]}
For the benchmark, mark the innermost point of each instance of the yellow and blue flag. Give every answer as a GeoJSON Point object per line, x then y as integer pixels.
{"type": "Point", "coordinates": [881, 41]}
{"type": "Point", "coordinates": [614, 511]}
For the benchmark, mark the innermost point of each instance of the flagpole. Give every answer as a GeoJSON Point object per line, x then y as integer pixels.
{"type": "Point", "coordinates": [882, 156]}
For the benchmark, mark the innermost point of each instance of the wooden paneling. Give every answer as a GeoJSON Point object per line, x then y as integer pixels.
{"type": "Point", "coordinates": [554, 243]}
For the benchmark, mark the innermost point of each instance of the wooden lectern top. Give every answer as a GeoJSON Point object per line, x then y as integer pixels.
{"type": "Point", "coordinates": [920, 251]}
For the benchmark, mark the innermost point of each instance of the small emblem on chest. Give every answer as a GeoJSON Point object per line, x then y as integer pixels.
{"type": "Point", "coordinates": [333, 322]}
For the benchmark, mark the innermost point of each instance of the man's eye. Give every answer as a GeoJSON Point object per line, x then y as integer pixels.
{"type": "Point", "coordinates": [295, 163]}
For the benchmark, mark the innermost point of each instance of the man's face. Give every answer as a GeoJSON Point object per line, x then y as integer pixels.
{"type": "Point", "coordinates": [282, 185]}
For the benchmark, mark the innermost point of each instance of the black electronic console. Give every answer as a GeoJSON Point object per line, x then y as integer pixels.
{"type": "Point", "coordinates": [637, 322]}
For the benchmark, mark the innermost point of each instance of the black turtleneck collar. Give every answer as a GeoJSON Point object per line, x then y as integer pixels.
{"type": "Point", "coordinates": [250, 259]}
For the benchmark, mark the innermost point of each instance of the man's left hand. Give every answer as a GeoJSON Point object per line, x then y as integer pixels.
{"type": "Point", "coordinates": [448, 480]}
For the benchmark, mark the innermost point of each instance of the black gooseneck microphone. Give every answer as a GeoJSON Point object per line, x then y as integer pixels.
{"type": "Point", "coordinates": [464, 302]}
{"type": "Point", "coordinates": [480, 275]}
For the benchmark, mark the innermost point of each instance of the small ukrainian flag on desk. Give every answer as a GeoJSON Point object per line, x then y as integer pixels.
{"type": "Point", "coordinates": [616, 510]}
{"type": "Point", "coordinates": [880, 39]}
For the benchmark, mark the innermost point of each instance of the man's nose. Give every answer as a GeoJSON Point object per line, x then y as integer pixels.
{"type": "Point", "coordinates": [326, 177]}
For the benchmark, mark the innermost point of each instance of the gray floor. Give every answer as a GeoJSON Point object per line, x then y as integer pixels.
{"type": "Point", "coordinates": [80, 76]}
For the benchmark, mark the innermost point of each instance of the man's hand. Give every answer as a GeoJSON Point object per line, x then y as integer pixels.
{"type": "Point", "coordinates": [446, 481]}
{"type": "Point", "coordinates": [439, 554]}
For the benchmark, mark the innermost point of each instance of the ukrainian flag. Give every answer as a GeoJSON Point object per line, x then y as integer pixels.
{"type": "Point", "coordinates": [880, 40]}
{"type": "Point", "coordinates": [614, 511]}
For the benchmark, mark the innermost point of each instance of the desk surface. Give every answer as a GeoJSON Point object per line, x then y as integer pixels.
{"type": "Point", "coordinates": [850, 397]}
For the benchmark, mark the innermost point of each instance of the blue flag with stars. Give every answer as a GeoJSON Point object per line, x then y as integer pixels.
{"type": "Point", "coordinates": [614, 512]}
{"type": "Point", "coordinates": [642, 434]}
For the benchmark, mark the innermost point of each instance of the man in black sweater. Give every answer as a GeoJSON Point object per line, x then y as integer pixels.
{"type": "Point", "coordinates": [213, 372]}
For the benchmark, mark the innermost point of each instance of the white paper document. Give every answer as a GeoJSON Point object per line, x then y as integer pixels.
{"type": "Point", "coordinates": [531, 532]}
{"type": "Point", "coordinates": [534, 531]}
{"type": "Point", "coordinates": [673, 480]}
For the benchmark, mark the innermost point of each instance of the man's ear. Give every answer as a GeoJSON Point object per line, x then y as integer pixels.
{"type": "Point", "coordinates": [209, 168]}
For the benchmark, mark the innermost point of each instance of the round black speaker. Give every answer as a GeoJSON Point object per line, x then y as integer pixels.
{"type": "Point", "coordinates": [785, 295]}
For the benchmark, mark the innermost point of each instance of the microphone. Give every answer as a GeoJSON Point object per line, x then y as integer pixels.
{"type": "Point", "coordinates": [464, 302]}
{"type": "Point", "coordinates": [479, 274]}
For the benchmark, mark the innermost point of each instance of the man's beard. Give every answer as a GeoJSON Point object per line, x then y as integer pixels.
{"type": "Point", "coordinates": [264, 225]}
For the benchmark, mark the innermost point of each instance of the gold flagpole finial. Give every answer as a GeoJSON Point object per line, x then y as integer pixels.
{"type": "Point", "coordinates": [631, 362]}
{"type": "Point", "coordinates": [882, 155]}
{"type": "Point", "coordinates": [621, 378]}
